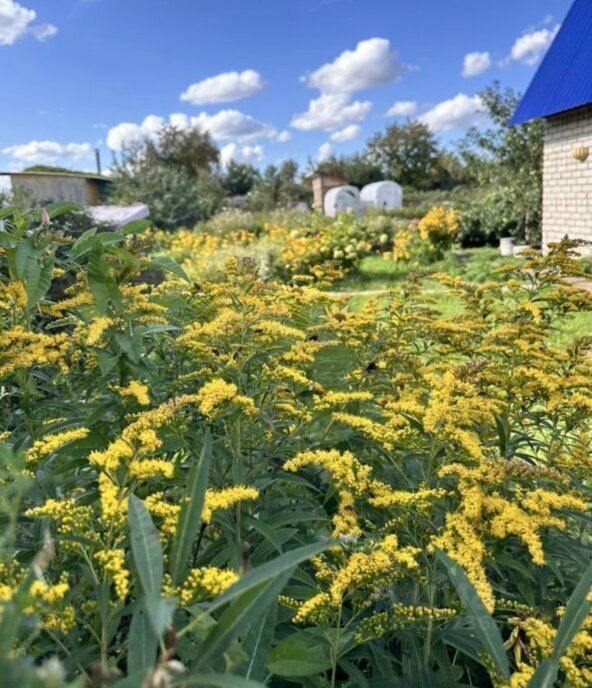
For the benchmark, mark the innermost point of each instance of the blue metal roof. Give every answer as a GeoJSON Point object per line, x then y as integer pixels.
{"type": "Point", "coordinates": [564, 79]}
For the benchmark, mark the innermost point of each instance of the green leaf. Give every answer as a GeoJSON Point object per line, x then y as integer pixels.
{"type": "Point", "coordinates": [85, 243]}
{"type": "Point", "coordinates": [217, 681]}
{"type": "Point", "coordinates": [103, 287]}
{"type": "Point", "coordinates": [39, 281]}
{"type": "Point", "coordinates": [189, 523]}
{"type": "Point", "coordinates": [160, 612]}
{"type": "Point", "coordinates": [244, 610]}
{"type": "Point", "coordinates": [258, 642]}
{"type": "Point", "coordinates": [142, 641]}
{"type": "Point", "coordinates": [26, 258]}
{"type": "Point", "coordinates": [56, 209]}
{"type": "Point", "coordinates": [298, 657]}
{"type": "Point", "coordinates": [168, 264]}
{"type": "Point", "coordinates": [484, 625]}
{"type": "Point", "coordinates": [576, 611]}
{"type": "Point", "coordinates": [275, 567]}
{"type": "Point", "coordinates": [146, 548]}
{"type": "Point", "coordinates": [137, 227]}
{"type": "Point", "coordinates": [255, 577]}
{"type": "Point", "coordinates": [123, 255]}
{"type": "Point", "coordinates": [8, 211]}
{"type": "Point", "coordinates": [8, 240]}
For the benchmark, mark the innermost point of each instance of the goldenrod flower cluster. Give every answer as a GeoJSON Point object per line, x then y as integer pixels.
{"type": "Point", "coordinates": [214, 396]}
{"type": "Point", "coordinates": [51, 443]}
{"type": "Point", "coordinates": [112, 561]}
{"type": "Point", "coordinates": [136, 390]}
{"type": "Point", "coordinates": [387, 432]}
{"type": "Point", "coordinates": [200, 584]}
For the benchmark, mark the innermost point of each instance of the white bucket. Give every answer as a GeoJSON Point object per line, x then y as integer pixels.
{"type": "Point", "coordinates": [507, 246]}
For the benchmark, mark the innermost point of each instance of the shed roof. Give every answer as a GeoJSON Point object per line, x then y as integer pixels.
{"type": "Point", "coordinates": [76, 175]}
{"type": "Point", "coordinates": [563, 80]}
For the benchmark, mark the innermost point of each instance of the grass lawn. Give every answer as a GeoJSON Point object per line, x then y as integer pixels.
{"type": "Point", "coordinates": [475, 265]}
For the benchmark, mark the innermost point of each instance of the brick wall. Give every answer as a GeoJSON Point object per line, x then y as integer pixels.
{"type": "Point", "coordinates": [567, 183]}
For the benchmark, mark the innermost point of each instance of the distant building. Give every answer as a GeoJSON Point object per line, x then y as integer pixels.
{"type": "Point", "coordinates": [76, 187]}
{"type": "Point", "coordinates": [561, 94]}
{"type": "Point", "coordinates": [321, 183]}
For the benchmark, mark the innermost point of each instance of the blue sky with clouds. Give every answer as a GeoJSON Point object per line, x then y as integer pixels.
{"type": "Point", "coordinates": [269, 79]}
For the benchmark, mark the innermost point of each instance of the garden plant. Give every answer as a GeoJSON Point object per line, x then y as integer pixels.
{"type": "Point", "coordinates": [242, 482]}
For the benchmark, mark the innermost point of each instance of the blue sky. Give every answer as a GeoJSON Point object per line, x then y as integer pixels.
{"type": "Point", "coordinates": [269, 79]}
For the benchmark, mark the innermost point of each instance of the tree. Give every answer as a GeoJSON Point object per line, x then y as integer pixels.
{"type": "Point", "coordinates": [407, 153]}
{"type": "Point", "coordinates": [172, 174]}
{"type": "Point", "coordinates": [279, 186]}
{"type": "Point", "coordinates": [188, 149]}
{"type": "Point", "coordinates": [51, 168]}
{"type": "Point", "coordinates": [509, 158]}
{"type": "Point", "coordinates": [239, 178]}
{"type": "Point", "coordinates": [356, 169]}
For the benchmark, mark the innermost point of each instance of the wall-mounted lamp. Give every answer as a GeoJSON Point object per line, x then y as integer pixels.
{"type": "Point", "coordinates": [580, 153]}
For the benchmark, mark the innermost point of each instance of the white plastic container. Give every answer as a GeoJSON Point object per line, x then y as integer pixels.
{"type": "Point", "coordinates": [517, 250]}
{"type": "Point", "coordinates": [507, 246]}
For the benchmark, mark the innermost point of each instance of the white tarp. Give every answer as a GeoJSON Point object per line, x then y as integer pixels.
{"type": "Point", "coordinates": [118, 215]}
{"type": "Point", "coordinates": [341, 199]}
{"type": "Point", "coordinates": [385, 195]}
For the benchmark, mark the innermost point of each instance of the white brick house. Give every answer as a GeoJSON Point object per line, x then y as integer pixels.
{"type": "Point", "coordinates": [561, 94]}
{"type": "Point", "coordinates": [567, 181]}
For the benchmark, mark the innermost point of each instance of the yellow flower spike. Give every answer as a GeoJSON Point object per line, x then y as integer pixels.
{"type": "Point", "coordinates": [213, 397]}
{"type": "Point", "coordinates": [136, 390]}
{"type": "Point", "coordinates": [112, 562]}
{"type": "Point", "coordinates": [151, 468]}
{"type": "Point", "coordinates": [224, 499]}
{"type": "Point", "coordinates": [51, 443]}
{"type": "Point", "coordinates": [113, 502]}
{"type": "Point", "coordinates": [97, 329]}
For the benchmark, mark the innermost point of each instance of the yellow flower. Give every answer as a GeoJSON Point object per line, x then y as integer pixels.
{"type": "Point", "coordinates": [70, 516]}
{"type": "Point", "coordinates": [113, 563]}
{"type": "Point", "coordinates": [97, 329]}
{"type": "Point", "coordinates": [51, 443]}
{"type": "Point", "coordinates": [226, 498]}
{"type": "Point", "coordinates": [113, 502]}
{"type": "Point", "coordinates": [215, 395]}
{"type": "Point", "coordinates": [136, 390]}
{"type": "Point", "coordinates": [151, 468]}
{"type": "Point", "coordinates": [201, 583]}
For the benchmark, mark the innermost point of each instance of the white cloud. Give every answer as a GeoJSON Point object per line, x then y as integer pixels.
{"type": "Point", "coordinates": [459, 112]}
{"type": "Point", "coordinates": [325, 151]}
{"type": "Point", "coordinates": [242, 154]}
{"type": "Point", "coordinates": [349, 133]}
{"type": "Point", "coordinates": [224, 88]}
{"type": "Point", "coordinates": [16, 21]}
{"type": "Point", "coordinates": [44, 31]}
{"type": "Point", "coordinates": [530, 47]}
{"type": "Point", "coordinates": [232, 125]}
{"type": "Point", "coordinates": [476, 63]}
{"type": "Point", "coordinates": [128, 134]}
{"type": "Point", "coordinates": [48, 151]}
{"type": "Point", "coordinates": [226, 125]}
{"type": "Point", "coordinates": [331, 111]}
{"type": "Point", "coordinates": [5, 183]}
{"type": "Point", "coordinates": [371, 63]}
{"type": "Point", "coordinates": [402, 108]}
{"type": "Point", "coordinates": [284, 136]}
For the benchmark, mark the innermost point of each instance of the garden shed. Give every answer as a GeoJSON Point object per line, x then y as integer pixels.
{"type": "Point", "coordinates": [76, 187]}
{"type": "Point", "coordinates": [561, 94]}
